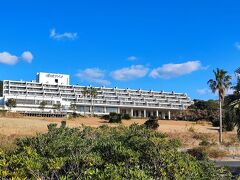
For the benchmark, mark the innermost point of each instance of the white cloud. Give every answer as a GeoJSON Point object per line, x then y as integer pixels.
{"type": "Point", "coordinates": [93, 75]}
{"type": "Point", "coordinates": [237, 45]}
{"type": "Point", "coordinates": [7, 58]}
{"type": "Point", "coordinates": [129, 73]}
{"type": "Point", "coordinates": [27, 56]}
{"type": "Point", "coordinates": [66, 35]}
{"type": "Point", "coordinates": [168, 71]}
{"type": "Point", "coordinates": [204, 91]}
{"type": "Point", "coordinates": [132, 58]}
{"type": "Point", "coordinates": [229, 91]}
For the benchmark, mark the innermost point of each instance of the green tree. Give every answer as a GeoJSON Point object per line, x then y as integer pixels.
{"type": "Point", "coordinates": [73, 107]}
{"type": "Point", "coordinates": [220, 83]}
{"type": "Point", "coordinates": [11, 103]}
{"type": "Point", "coordinates": [42, 105]}
{"type": "Point", "coordinates": [152, 123]}
{"type": "Point", "coordinates": [235, 107]}
{"type": "Point", "coordinates": [236, 88]}
{"type": "Point", "coordinates": [85, 93]}
{"type": "Point", "coordinates": [57, 106]}
{"type": "Point", "coordinates": [93, 94]}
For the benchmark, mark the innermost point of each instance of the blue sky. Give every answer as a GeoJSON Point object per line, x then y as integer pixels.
{"type": "Point", "coordinates": [147, 44]}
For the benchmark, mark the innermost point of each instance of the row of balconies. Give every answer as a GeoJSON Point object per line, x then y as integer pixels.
{"type": "Point", "coordinates": [110, 90]}
{"type": "Point", "coordinates": [71, 92]}
{"type": "Point", "coordinates": [28, 101]}
{"type": "Point", "coordinates": [105, 98]}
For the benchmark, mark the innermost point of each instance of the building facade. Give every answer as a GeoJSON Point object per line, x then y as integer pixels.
{"type": "Point", "coordinates": [55, 89]}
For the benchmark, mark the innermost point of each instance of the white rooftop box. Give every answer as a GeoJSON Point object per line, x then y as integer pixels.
{"type": "Point", "coordinates": [51, 78]}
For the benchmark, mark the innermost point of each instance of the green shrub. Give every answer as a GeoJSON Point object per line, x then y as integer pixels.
{"type": "Point", "coordinates": [204, 142]}
{"type": "Point", "coordinates": [152, 123]}
{"type": "Point", "coordinates": [63, 124]}
{"type": "Point", "coordinates": [51, 126]}
{"type": "Point", "coordinates": [74, 115]}
{"type": "Point", "coordinates": [133, 152]}
{"type": "Point", "coordinates": [215, 123]}
{"type": "Point", "coordinates": [126, 116]}
{"type": "Point", "coordinates": [203, 152]}
{"type": "Point", "coordinates": [229, 120]}
{"type": "Point", "coordinates": [105, 117]}
{"type": "Point", "coordinates": [199, 153]}
{"type": "Point", "coordinates": [115, 117]}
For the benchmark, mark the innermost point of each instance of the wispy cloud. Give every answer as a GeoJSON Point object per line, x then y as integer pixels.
{"type": "Point", "coordinates": [132, 58]}
{"type": "Point", "coordinates": [93, 75]}
{"type": "Point", "coordinates": [204, 91]}
{"type": "Point", "coordinates": [65, 35]}
{"type": "Point", "coordinates": [130, 73]}
{"type": "Point", "coordinates": [237, 45]}
{"type": "Point", "coordinates": [10, 59]}
{"type": "Point", "coordinates": [168, 71]}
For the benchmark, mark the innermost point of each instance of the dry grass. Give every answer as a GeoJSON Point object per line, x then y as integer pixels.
{"type": "Point", "coordinates": [215, 153]}
{"type": "Point", "coordinates": [189, 133]}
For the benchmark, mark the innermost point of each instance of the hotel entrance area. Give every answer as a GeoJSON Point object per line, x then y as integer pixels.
{"type": "Point", "coordinates": [145, 113]}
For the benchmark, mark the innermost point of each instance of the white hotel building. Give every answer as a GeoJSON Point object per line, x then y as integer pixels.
{"type": "Point", "coordinates": [55, 89]}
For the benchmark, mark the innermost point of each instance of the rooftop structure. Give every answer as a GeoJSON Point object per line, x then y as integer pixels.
{"type": "Point", "coordinates": [55, 89]}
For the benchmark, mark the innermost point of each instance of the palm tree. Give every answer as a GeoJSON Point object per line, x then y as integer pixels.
{"type": "Point", "coordinates": [93, 94]}
{"type": "Point", "coordinates": [85, 92]}
{"type": "Point", "coordinates": [236, 88]}
{"type": "Point", "coordinates": [220, 84]}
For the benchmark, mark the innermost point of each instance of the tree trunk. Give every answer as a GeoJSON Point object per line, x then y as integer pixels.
{"type": "Point", "coordinates": [220, 122]}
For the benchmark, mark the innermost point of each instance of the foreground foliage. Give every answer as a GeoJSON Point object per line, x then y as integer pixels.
{"type": "Point", "coordinates": [133, 152]}
{"type": "Point", "coordinates": [152, 123]}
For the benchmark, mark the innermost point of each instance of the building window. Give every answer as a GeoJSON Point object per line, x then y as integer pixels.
{"type": "Point", "coordinates": [56, 80]}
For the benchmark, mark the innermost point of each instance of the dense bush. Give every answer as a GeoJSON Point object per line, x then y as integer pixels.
{"type": "Point", "coordinates": [152, 123]}
{"type": "Point", "coordinates": [199, 153]}
{"type": "Point", "coordinates": [105, 117]}
{"type": "Point", "coordinates": [75, 115]}
{"type": "Point", "coordinates": [200, 110]}
{"type": "Point", "coordinates": [126, 116]}
{"type": "Point", "coordinates": [133, 152]}
{"type": "Point", "coordinates": [111, 115]}
{"type": "Point", "coordinates": [204, 152]}
{"type": "Point", "coordinates": [115, 117]}
{"type": "Point", "coordinates": [215, 123]}
{"type": "Point", "coordinates": [229, 120]}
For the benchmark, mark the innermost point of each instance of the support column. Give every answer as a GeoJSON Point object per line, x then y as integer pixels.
{"type": "Point", "coordinates": [139, 113]}
{"type": "Point", "coordinates": [163, 115]}
{"type": "Point", "coordinates": [169, 115]}
{"type": "Point", "coordinates": [105, 109]}
{"type": "Point", "coordinates": [157, 113]}
{"type": "Point", "coordinates": [118, 110]}
{"type": "Point", "coordinates": [144, 113]}
{"type": "Point", "coordinates": [131, 112]}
